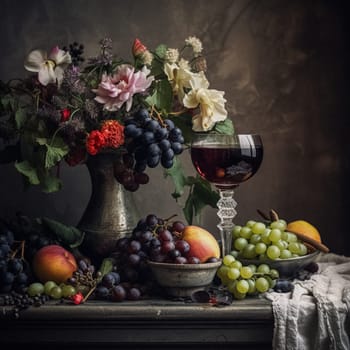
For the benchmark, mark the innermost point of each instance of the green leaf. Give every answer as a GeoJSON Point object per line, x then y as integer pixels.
{"type": "Point", "coordinates": [157, 68]}
{"type": "Point", "coordinates": [68, 235]}
{"type": "Point", "coordinates": [26, 169]}
{"type": "Point", "coordinates": [50, 183]}
{"type": "Point", "coordinates": [162, 96]}
{"type": "Point", "coordinates": [20, 117]}
{"type": "Point", "coordinates": [204, 189]}
{"type": "Point", "coordinates": [225, 127]}
{"type": "Point", "coordinates": [177, 174]}
{"type": "Point", "coordinates": [189, 209]}
{"type": "Point", "coordinates": [7, 101]}
{"type": "Point", "coordinates": [200, 196]}
{"type": "Point", "coordinates": [191, 180]}
{"type": "Point", "coordinates": [106, 267]}
{"type": "Point", "coordinates": [55, 151]}
{"type": "Point", "coordinates": [161, 51]}
{"type": "Point", "coordinates": [184, 122]}
{"type": "Point", "coordinates": [204, 195]}
{"type": "Point", "coordinates": [41, 141]}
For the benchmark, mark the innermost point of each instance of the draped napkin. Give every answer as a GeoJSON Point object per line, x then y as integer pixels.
{"type": "Point", "coordinates": [316, 314]}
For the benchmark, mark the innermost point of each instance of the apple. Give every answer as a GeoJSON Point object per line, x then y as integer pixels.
{"type": "Point", "coordinates": [54, 263]}
{"type": "Point", "coordinates": [202, 243]}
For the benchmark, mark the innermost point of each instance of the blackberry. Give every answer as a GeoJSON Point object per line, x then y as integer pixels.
{"type": "Point", "coordinates": [76, 51]}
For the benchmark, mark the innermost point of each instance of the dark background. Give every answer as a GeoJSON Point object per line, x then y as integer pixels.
{"type": "Point", "coordinates": [283, 66]}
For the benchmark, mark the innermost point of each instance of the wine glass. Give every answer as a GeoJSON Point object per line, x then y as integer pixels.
{"type": "Point", "coordinates": [226, 161]}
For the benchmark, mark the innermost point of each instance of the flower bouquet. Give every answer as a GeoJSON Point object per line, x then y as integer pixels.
{"type": "Point", "coordinates": [145, 111]}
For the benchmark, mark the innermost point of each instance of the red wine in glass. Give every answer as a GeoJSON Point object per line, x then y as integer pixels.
{"type": "Point", "coordinates": [226, 166]}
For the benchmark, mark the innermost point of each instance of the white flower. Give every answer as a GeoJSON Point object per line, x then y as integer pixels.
{"type": "Point", "coordinates": [50, 69]}
{"type": "Point", "coordinates": [184, 64]}
{"type": "Point", "coordinates": [147, 58]}
{"type": "Point", "coordinates": [195, 43]}
{"type": "Point", "coordinates": [179, 79]}
{"type": "Point", "coordinates": [211, 103]}
{"type": "Point", "coordinates": [171, 55]}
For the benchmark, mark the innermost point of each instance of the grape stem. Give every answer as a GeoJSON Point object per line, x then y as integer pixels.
{"type": "Point", "coordinates": [171, 217]}
{"type": "Point", "coordinates": [273, 215]}
{"type": "Point", "coordinates": [179, 112]}
{"type": "Point", "coordinates": [263, 215]}
{"type": "Point", "coordinates": [158, 116]}
{"type": "Point", "coordinates": [21, 247]}
{"type": "Point", "coordinates": [89, 293]}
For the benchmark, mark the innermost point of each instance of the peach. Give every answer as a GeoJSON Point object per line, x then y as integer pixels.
{"type": "Point", "coordinates": [203, 244]}
{"type": "Point", "coordinates": [54, 263]}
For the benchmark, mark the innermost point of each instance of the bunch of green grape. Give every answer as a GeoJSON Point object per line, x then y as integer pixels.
{"type": "Point", "coordinates": [246, 280]}
{"type": "Point", "coordinates": [257, 240]}
{"type": "Point", "coordinates": [51, 289]}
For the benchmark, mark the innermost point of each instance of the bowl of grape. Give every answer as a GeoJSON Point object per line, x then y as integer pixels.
{"type": "Point", "coordinates": [183, 258]}
{"type": "Point", "coordinates": [270, 242]}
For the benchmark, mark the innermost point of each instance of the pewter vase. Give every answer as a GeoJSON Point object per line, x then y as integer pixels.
{"type": "Point", "coordinates": [111, 212]}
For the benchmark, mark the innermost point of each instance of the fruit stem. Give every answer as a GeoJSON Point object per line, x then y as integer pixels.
{"type": "Point", "coordinates": [171, 217]}
{"type": "Point", "coordinates": [89, 293]}
{"type": "Point", "coordinates": [263, 215]}
{"type": "Point", "coordinates": [14, 253]}
{"type": "Point", "coordinates": [22, 249]}
{"type": "Point", "coordinates": [273, 215]}
{"type": "Point", "coordinates": [311, 241]}
{"type": "Point", "coordinates": [158, 116]}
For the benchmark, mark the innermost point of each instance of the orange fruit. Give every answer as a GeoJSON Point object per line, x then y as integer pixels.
{"type": "Point", "coordinates": [305, 228]}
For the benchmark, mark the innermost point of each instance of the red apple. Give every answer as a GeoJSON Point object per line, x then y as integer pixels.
{"type": "Point", "coordinates": [54, 263]}
{"type": "Point", "coordinates": [203, 244]}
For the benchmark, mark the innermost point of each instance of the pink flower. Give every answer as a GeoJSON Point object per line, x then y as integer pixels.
{"type": "Point", "coordinates": [114, 91]}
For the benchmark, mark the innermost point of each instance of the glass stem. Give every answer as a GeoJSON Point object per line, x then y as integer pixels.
{"type": "Point", "coordinates": [226, 213]}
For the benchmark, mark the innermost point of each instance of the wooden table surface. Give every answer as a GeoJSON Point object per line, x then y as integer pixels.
{"type": "Point", "coordinates": [146, 324]}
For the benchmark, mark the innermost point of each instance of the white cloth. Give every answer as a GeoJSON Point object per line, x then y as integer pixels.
{"type": "Point", "coordinates": [316, 314]}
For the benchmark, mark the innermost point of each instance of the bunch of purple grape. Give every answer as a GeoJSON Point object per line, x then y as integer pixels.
{"type": "Point", "coordinates": [112, 288]}
{"type": "Point", "coordinates": [14, 272]}
{"type": "Point", "coordinates": [127, 175]}
{"type": "Point", "coordinates": [149, 142]}
{"type": "Point", "coordinates": [152, 141]}
{"type": "Point", "coordinates": [31, 231]}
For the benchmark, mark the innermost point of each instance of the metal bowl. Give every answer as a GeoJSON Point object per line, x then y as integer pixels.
{"type": "Point", "coordinates": [181, 280]}
{"type": "Point", "coordinates": [287, 268]}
